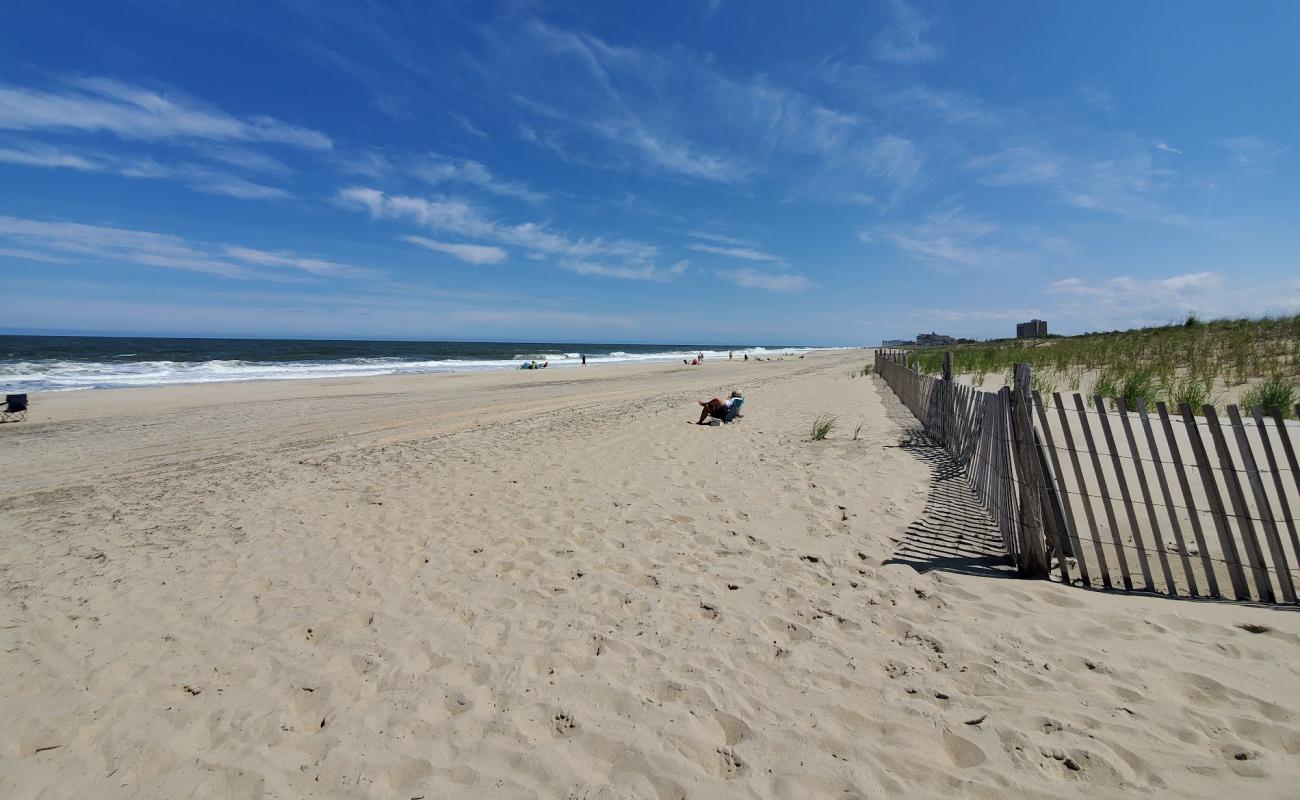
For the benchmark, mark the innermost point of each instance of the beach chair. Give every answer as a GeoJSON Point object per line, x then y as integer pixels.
{"type": "Point", "coordinates": [733, 411]}
{"type": "Point", "coordinates": [15, 408]}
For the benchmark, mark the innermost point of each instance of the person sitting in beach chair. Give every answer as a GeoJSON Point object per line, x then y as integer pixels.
{"type": "Point", "coordinates": [14, 409]}
{"type": "Point", "coordinates": [725, 410]}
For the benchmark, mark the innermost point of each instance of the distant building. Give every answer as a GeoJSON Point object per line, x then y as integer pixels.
{"type": "Point", "coordinates": [933, 339]}
{"type": "Point", "coordinates": [1033, 329]}
{"type": "Point", "coordinates": [897, 343]}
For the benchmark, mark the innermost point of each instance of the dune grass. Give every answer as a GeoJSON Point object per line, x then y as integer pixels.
{"type": "Point", "coordinates": [1276, 392]}
{"type": "Point", "coordinates": [1177, 363]}
{"type": "Point", "coordinates": [822, 426]}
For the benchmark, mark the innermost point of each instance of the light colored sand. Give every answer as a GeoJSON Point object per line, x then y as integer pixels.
{"type": "Point", "coordinates": [551, 585]}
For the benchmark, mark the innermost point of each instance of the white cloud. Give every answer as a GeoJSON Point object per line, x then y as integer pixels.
{"type": "Point", "coordinates": [1126, 301]}
{"type": "Point", "coordinates": [771, 281]}
{"type": "Point", "coordinates": [632, 272]}
{"type": "Point", "coordinates": [968, 315]}
{"type": "Point", "coordinates": [1099, 97]}
{"type": "Point", "coordinates": [442, 214]}
{"type": "Point", "coordinates": [454, 216]}
{"type": "Point", "coordinates": [1017, 166]}
{"type": "Point", "coordinates": [280, 258]}
{"type": "Point", "coordinates": [671, 154]}
{"type": "Point", "coordinates": [903, 40]}
{"type": "Point", "coordinates": [435, 170]}
{"type": "Point", "coordinates": [473, 253]}
{"type": "Point", "coordinates": [100, 105]}
{"type": "Point", "coordinates": [42, 156]}
{"type": "Point", "coordinates": [746, 253]}
{"type": "Point", "coordinates": [469, 126]}
{"type": "Point", "coordinates": [894, 158]}
{"type": "Point", "coordinates": [78, 242]}
{"type": "Point", "coordinates": [1165, 147]}
{"type": "Point", "coordinates": [950, 237]}
{"type": "Point", "coordinates": [1253, 154]}
{"type": "Point", "coordinates": [1128, 186]}
{"type": "Point", "coordinates": [197, 177]}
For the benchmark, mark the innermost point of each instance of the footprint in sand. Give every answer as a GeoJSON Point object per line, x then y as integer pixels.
{"type": "Point", "coordinates": [563, 723]}
{"type": "Point", "coordinates": [733, 728]}
{"type": "Point", "coordinates": [963, 752]}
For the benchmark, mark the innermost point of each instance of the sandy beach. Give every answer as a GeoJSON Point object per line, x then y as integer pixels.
{"type": "Point", "coordinates": [552, 584]}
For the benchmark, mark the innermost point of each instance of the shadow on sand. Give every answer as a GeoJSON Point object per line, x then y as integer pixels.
{"type": "Point", "coordinates": [954, 532]}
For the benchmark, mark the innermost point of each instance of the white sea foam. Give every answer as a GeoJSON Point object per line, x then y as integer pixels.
{"type": "Point", "coordinates": [63, 375]}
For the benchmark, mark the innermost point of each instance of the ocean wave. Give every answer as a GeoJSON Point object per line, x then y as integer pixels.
{"type": "Point", "coordinates": [64, 375]}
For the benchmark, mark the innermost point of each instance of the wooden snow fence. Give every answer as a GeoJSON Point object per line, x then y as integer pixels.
{"type": "Point", "coordinates": [1138, 499]}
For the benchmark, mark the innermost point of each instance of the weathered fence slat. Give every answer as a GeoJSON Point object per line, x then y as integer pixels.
{"type": "Point", "coordinates": [1011, 531]}
{"type": "Point", "coordinates": [1197, 531]}
{"type": "Point", "coordinates": [1032, 528]}
{"type": "Point", "coordinates": [1008, 455]}
{"type": "Point", "coordinates": [1266, 519]}
{"type": "Point", "coordinates": [1290, 453]}
{"type": "Point", "coordinates": [1255, 557]}
{"type": "Point", "coordinates": [1125, 495]}
{"type": "Point", "coordinates": [1107, 503]}
{"type": "Point", "coordinates": [1083, 492]}
{"type": "Point", "coordinates": [1145, 489]}
{"type": "Point", "coordinates": [1167, 497]}
{"type": "Point", "coordinates": [1217, 509]}
{"type": "Point", "coordinates": [1062, 496]}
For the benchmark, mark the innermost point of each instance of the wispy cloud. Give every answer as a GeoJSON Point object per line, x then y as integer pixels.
{"type": "Point", "coordinates": [771, 281]}
{"type": "Point", "coordinates": [196, 176]}
{"type": "Point", "coordinates": [678, 113]}
{"type": "Point", "coordinates": [1164, 146]}
{"type": "Point", "coordinates": [435, 170]}
{"type": "Point", "coordinates": [78, 242]}
{"type": "Point", "coordinates": [100, 105]}
{"type": "Point", "coordinates": [1017, 166]}
{"type": "Point", "coordinates": [1126, 300]}
{"type": "Point", "coordinates": [746, 253]}
{"type": "Point", "coordinates": [473, 253]}
{"type": "Point", "coordinates": [948, 237]}
{"type": "Point", "coordinates": [1128, 185]}
{"type": "Point", "coordinates": [1252, 153]}
{"type": "Point", "coordinates": [451, 215]}
{"type": "Point", "coordinates": [639, 272]}
{"type": "Point", "coordinates": [280, 258]}
{"type": "Point", "coordinates": [970, 315]}
{"type": "Point", "coordinates": [1099, 97]}
{"type": "Point", "coordinates": [903, 41]}
{"type": "Point", "coordinates": [469, 126]}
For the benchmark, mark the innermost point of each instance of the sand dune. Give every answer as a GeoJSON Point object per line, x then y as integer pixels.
{"type": "Point", "coordinates": [551, 585]}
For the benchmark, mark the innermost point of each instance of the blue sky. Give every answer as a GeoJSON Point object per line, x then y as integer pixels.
{"type": "Point", "coordinates": [830, 173]}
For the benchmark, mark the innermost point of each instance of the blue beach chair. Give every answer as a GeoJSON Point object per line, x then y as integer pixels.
{"type": "Point", "coordinates": [733, 411]}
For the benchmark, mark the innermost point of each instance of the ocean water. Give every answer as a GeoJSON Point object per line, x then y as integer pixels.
{"type": "Point", "coordinates": [61, 363]}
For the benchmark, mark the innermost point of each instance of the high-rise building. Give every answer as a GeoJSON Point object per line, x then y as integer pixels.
{"type": "Point", "coordinates": [1033, 329]}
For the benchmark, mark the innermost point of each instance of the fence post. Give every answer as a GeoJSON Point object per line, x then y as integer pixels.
{"type": "Point", "coordinates": [1032, 533]}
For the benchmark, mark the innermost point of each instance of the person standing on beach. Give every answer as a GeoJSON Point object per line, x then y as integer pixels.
{"type": "Point", "coordinates": [584, 359]}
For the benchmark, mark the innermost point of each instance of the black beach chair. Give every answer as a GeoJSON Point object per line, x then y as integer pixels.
{"type": "Point", "coordinates": [15, 408]}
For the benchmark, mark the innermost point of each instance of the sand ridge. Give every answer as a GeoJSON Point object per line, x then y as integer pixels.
{"type": "Point", "coordinates": [552, 585]}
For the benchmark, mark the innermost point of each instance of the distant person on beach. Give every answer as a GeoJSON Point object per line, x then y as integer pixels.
{"type": "Point", "coordinates": [717, 408]}
{"type": "Point", "coordinates": [746, 356]}
{"type": "Point", "coordinates": [584, 359]}
{"type": "Point", "coordinates": [701, 356]}
{"type": "Point", "coordinates": [730, 355]}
